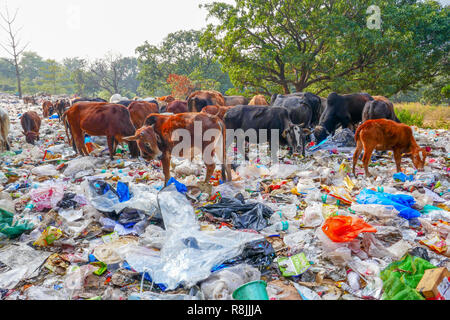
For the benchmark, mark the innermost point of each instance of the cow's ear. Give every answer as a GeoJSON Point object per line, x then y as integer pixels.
{"type": "Point", "coordinates": [131, 138]}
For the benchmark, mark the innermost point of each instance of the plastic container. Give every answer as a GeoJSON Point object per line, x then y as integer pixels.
{"type": "Point", "coordinates": [255, 290]}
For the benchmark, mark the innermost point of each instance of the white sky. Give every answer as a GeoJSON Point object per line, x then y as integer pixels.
{"type": "Point", "coordinates": [58, 29]}
{"type": "Point", "coordinates": [90, 28]}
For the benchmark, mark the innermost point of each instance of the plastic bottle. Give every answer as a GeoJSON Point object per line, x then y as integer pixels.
{"type": "Point", "coordinates": [385, 189]}
{"type": "Point", "coordinates": [323, 197]}
{"type": "Point", "coordinates": [285, 226]}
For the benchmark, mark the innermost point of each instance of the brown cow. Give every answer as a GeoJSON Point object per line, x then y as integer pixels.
{"type": "Point", "coordinates": [235, 100]}
{"type": "Point", "coordinates": [217, 110]}
{"type": "Point", "coordinates": [160, 137]}
{"type": "Point", "coordinates": [60, 107]}
{"type": "Point", "coordinates": [139, 110]}
{"type": "Point", "coordinates": [383, 134]}
{"type": "Point", "coordinates": [29, 100]}
{"type": "Point", "coordinates": [4, 130]}
{"type": "Point", "coordinates": [47, 109]}
{"type": "Point", "coordinates": [258, 100]}
{"type": "Point", "coordinates": [100, 119]}
{"type": "Point", "coordinates": [31, 124]}
{"type": "Point", "coordinates": [177, 106]}
{"type": "Point", "coordinates": [200, 99]}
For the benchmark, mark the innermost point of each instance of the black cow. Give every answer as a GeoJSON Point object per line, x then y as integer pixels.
{"type": "Point", "coordinates": [304, 108]}
{"type": "Point", "coordinates": [88, 100]}
{"type": "Point", "coordinates": [126, 103]}
{"type": "Point", "coordinates": [261, 117]}
{"type": "Point", "coordinates": [197, 104]}
{"type": "Point", "coordinates": [342, 110]}
{"type": "Point", "coordinates": [379, 110]}
{"type": "Point", "coordinates": [61, 106]}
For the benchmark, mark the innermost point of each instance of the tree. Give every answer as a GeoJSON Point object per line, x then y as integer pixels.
{"type": "Point", "coordinates": [280, 46]}
{"type": "Point", "coordinates": [13, 47]}
{"type": "Point", "coordinates": [114, 72]}
{"type": "Point", "coordinates": [52, 76]}
{"type": "Point", "coordinates": [179, 53]}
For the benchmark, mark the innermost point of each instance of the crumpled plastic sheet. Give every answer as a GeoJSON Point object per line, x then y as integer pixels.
{"type": "Point", "coordinates": [401, 202]}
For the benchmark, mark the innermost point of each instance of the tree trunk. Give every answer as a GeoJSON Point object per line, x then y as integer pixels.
{"type": "Point", "coordinates": [19, 85]}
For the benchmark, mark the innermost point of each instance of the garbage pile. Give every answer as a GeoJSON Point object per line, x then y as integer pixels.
{"type": "Point", "coordinates": [75, 227]}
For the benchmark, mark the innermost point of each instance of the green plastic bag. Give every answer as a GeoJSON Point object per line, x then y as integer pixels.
{"type": "Point", "coordinates": [401, 278]}
{"type": "Point", "coordinates": [12, 230]}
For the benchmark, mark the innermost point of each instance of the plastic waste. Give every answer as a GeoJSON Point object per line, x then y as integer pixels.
{"type": "Point", "coordinates": [11, 228]}
{"type": "Point", "coordinates": [401, 202]}
{"type": "Point", "coordinates": [345, 228]}
{"type": "Point", "coordinates": [47, 196]}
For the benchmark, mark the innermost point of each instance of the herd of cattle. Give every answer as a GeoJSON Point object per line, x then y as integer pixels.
{"type": "Point", "coordinates": [147, 125]}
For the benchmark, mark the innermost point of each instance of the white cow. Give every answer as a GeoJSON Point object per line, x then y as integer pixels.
{"type": "Point", "coordinates": [4, 130]}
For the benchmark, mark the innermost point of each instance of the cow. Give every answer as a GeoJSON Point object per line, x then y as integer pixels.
{"type": "Point", "coordinates": [217, 110]}
{"type": "Point", "coordinates": [29, 100]}
{"type": "Point", "coordinates": [31, 124]}
{"type": "Point", "coordinates": [384, 134]}
{"type": "Point", "coordinates": [100, 119]}
{"type": "Point", "coordinates": [47, 109]}
{"type": "Point", "coordinates": [390, 105]}
{"type": "Point", "coordinates": [200, 99]}
{"type": "Point", "coordinates": [263, 118]}
{"type": "Point", "coordinates": [125, 103]}
{"type": "Point", "coordinates": [235, 100]}
{"type": "Point", "coordinates": [158, 138]}
{"type": "Point", "coordinates": [258, 100]}
{"type": "Point", "coordinates": [377, 109]}
{"type": "Point", "coordinates": [87, 100]}
{"type": "Point", "coordinates": [304, 108]}
{"type": "Point", "coordinates": [139, 110]}
{"type": "Point", "coordinates": [163, 102]}
{"type": "Point", "coordinates": [61, 105]}
{"type": "Point", "coordinates": [177, 106]}
{"type": "Point", "coordinates": [344, 110]}
{"type": "Point", "coordinates": [4, 130]}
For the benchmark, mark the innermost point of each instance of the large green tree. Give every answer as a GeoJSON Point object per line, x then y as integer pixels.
{"type": "Point", "coordinates": [328, 45]}
{"type": "Point", "coordinates": [179, 53]}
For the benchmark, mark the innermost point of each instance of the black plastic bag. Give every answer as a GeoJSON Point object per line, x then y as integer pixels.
{"type": "Point", "coordinates": [420, 252]}
{"type": "Point", "coordinates": [258, 253]}
{"type": "Point", "coordinates": [243, 215]}
{"type": "Point", "coordinates": [67, 201]}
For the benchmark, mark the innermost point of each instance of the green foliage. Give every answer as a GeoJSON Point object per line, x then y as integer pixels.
{"type": "Point", "coordinates": [410, 118]}
{"type": "Point", "coordinates": [271, 46]}
{"type": "Point", "coordinates": [180, 54]}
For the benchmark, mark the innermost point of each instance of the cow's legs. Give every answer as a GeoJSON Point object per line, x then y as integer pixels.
{"type": "Point", "coordinates": [166, 166]}
{"type": "Point", "coordinates": [368, 149]}
{"type": "Point", "coordinates": [398, 159]}
{"type": "Point", "coordinates": [111, 146]}
{"type": "Point", "coordinates": [356, 155]}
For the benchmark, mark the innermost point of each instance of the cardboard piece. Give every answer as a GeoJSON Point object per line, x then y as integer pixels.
{"type": "Point", "coordinates": [434, 283]}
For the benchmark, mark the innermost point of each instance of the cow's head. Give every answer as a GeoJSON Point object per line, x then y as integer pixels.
{"type": "Point", "coordinates": [31, 136]}
{"type": "Point", "coordinates": [148, 142]}
{"type": "Point", "coordinates": [296, 136]}
{"type": "Point", "coordinates": [320, 133]}
{"type": "Point", "coordinates": [418, 157]}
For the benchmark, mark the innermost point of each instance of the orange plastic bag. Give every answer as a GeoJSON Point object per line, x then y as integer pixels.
{"type": "Point", "coordinates": [345, 228]}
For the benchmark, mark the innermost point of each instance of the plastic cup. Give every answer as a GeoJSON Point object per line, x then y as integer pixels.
{"type": "Point", "coordinates": [255, 290]}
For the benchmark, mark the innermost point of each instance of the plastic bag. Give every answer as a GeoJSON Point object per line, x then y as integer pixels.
{"type": "Point", "coordinates": [47, 196]}
{"type": "Point", "coordinates": [10, 228]}
{"type": "Point", "coordinates": [243, 215]}
{"type": "Point", "coordinates": [48, 236]}
{"type": "Point", "coordinates": [345, 228]}
{"type": "Point", "coordinates": [85, 165]}
{"type": "Point", "coordinates": [401, 202]}
{"type": "Point", "coordinates": [313, 215]}
{"type": "Point", "coordinates": [47, 170]}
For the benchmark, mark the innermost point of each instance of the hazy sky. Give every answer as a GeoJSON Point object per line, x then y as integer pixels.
{"type": "Point", "coordinates": [89, 28]}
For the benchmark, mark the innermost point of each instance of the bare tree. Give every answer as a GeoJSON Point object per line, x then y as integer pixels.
{"type": "Point", "coordinates": [13, 47]}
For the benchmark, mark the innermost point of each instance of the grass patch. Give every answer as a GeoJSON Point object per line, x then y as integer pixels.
{"type": "Point", "coordinates": [424, 116]}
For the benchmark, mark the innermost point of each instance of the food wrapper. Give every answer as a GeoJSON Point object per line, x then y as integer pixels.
{"type": "Point", "coordinates": [293, 266]}
{"type": "Point", "coordinates": [48, 236]}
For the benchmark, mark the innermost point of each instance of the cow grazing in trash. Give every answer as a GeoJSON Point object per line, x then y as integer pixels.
{"type": "Point", "coordinates": [341, 110]}
{"type": "Point", "coordinates": [31, 124]}
{"type": "Point", "coordinates": [4, 130]}
{"type": "Point", "coordinates": [264, 118]}
{"type": "Point", "coordinates": [61, 107]}
{"type": "Point", "coordinates": [378, 109]}
{"type": "Point", "coordinates": [383, 134]}
{"type": "Point", "coordinates": [158, 139]}
{"type": "Point", "coordinates": [47, 109]}
{"type": "Point", "coordinates": [100, 119]}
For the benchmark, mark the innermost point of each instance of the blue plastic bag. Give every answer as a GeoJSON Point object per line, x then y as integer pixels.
{"type": "Point", "coordinates": [401, 202]}
{"type": "Point", "coordinates": [403, 177]}
{"type": "Point", "coordinates": [123, 192]}
{"type": "Point", "coordinates": [180, 187]}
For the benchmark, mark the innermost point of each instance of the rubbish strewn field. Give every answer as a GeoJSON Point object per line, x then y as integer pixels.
{"type": "Point", "coordinates": [92, 228]}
